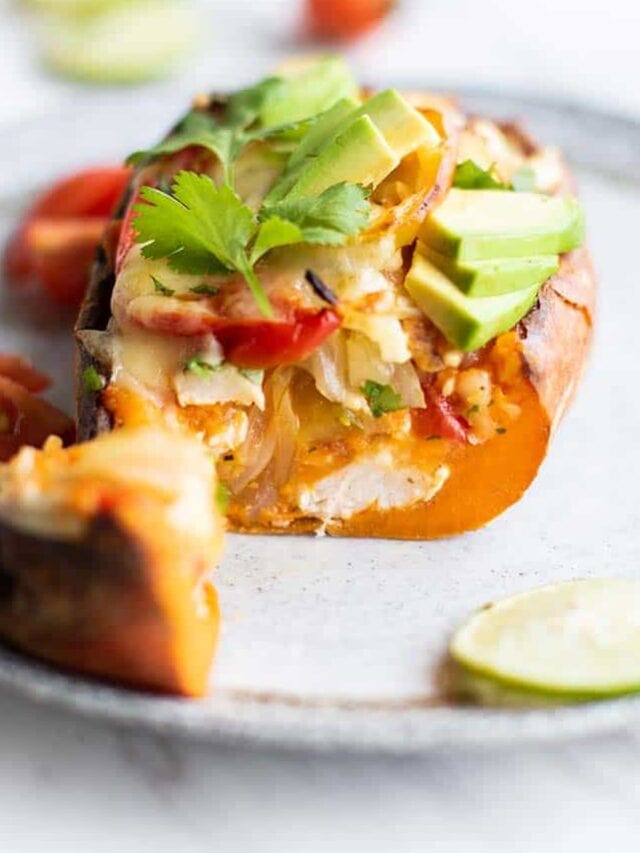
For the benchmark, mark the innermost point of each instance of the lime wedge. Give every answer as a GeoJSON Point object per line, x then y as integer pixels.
{"type": "Point", "coordinates": [125, 44]}
{"type": "Point", "coordinates": [577, 640]}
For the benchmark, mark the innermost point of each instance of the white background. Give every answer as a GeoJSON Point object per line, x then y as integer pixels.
{"type": "Point", "coordinates": [71, 785]}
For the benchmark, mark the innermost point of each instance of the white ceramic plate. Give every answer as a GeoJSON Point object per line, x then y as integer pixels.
{"type": "Point", "coordinates": [336, 643]}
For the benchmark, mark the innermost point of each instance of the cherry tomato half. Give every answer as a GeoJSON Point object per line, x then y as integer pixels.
{"type": "Point", "coordinates": [344, 19]}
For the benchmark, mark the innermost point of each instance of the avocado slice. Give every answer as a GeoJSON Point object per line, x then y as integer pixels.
{"type": "Point", "coordinates": [359, 155]}
{"type": "Point", "coordinates": [309, 89]}
{"type": "Point", "coordinates": [323, 131]}
{"type": "Point", "coordinates": [402, 126]}
{"type": "Point", "coordinates": [494, 277]}
{"type": "Point", "coordinates": [465, 321]}
{"type": "Point", "coordinates": [475, 225]}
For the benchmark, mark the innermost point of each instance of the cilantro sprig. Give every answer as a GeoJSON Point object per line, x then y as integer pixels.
{"type": "Point", "coordinates": [381, 398]}
{"type": "Point", "coordinates": [204, 229]}
{"type": "Point", "coordinates": [226, 137]}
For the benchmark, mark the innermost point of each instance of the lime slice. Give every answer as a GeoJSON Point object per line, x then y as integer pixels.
{"type": "Point", "coordinates": [576, 640]}
{"type": "Point", "coordinates": [125, 44]}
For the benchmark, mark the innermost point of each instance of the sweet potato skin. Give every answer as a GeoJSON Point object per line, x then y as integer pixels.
{"type": "Point", "coordinates": [553, 340]}
{"type": "Point", "coordinates": [94, 605]}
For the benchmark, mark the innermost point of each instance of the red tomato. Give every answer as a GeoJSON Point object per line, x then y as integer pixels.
{"type": "Point", "coordinates": [26, 419]}
{"type": "Point", "coordinates": [127, 233]}
{"type": "Point", "coordinates": [16, 264]}
{"type": "Point", "coordinates": [62, 252]}
{"type": "Point", "coordinates": [91, 194]}
{"type": "Point", "coordinates": [21, 370]}
{"type": "Point", "coordinates": [266, 344]}
{"type": "Point", "coordinates": [439, 419]}
{"type": "Point", "coordinates": [247, 341]}
{"type": "Point", "coordinates": [344, 18]}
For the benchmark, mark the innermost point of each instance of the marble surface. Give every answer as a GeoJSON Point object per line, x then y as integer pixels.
{"type": "Point", "coordinates": [69, 784]}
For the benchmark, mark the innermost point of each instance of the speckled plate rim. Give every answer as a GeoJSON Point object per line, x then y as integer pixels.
{"type": "Point", "coordinates": [317, 727]}
{"type": "Point", "coordinates": [249, 720]}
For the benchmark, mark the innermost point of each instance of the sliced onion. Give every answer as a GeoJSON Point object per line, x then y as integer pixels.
{"type": "Point", "coordinates": [271, 439]}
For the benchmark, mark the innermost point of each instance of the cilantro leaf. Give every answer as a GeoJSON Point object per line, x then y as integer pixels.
{"type": "Point", "coordinates": [381, 398]}
{"type": "Point", "coordinates": [92, 381]}
{"type": "Point", "coordinates": [244, 107]}
{"type": "Point", "coordinates": [199, 221]}
{"type": "Point", "coordinates": [205, 290]}
{"type": "Point", "coordinates": [194, 129]}
{"type": "Point", "coordinates": [159, 287]}
{"type": "Point", "coordinates": [200, 367]}
{"type": "Point", "coordinates": [228, 137]}
{"type": "Point", "coordinates": [222, 497]}
{"type": "Point", "coordinates": [337, 213]}
{"type": "Point", "coordinates": [200, 228]}
{"type": "Point", "coordinates": [275, 232]}
{"type": "Point", "coordinates": [469, 176]}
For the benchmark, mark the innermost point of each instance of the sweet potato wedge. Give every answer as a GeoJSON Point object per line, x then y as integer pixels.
{"type": "Point", "coordinates": [105, 550]}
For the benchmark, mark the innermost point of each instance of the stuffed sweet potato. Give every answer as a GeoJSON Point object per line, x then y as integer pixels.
{"type": "Point", "coordinates": [371, 309]}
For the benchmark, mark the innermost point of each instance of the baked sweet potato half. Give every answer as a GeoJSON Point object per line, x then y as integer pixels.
{"type": "Point", "coordinates": [330, 394]}
{"type": "Point", "coordinates": [105, 552]}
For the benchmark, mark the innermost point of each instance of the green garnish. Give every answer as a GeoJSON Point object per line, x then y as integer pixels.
{"type": "Point", "coordinates": [200, 367]}
{"type": "Point", "coordinates": [255, 376]}
{"type": "Point", "coordinates": [434, 437]}
{"type": "Point", "coordinates": [159, 287]}
{"type": "Point", "coordinates": [501, 430]}
{"type": "Point", "coordinates": [381, 398]}
{"type": "Point", "coordinates": [92, 381]}
{"type": "Point", "coordinates": [469, 176]}
{"type": "Point", "coordinates": [227, 137]}
{"type": "Point", "coordinates": [203, 229]}
{"type": "Point", "coordinates": [329, 218]}
{"type": "Point", "coordinates": [205, 290]}
{"type": "Point", "coordinates": [473, 409]}
{"type": "Point", "coordinates": [222, 497]}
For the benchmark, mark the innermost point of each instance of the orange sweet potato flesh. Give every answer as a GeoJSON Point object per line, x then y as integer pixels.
{"type": "Point", "coordinates": [543, 362]}
{"type": "Point", "coordinates": [108, 606]}
{"type": "Point", "coordinates": [550, 347]}
{"type": "Point", "coordinates": [108, 585]}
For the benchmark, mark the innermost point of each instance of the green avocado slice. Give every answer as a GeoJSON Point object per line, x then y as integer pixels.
{"type": "Point", "coordinates": [494, 277]}
{"type": "Point", "coordinates": [309, 90]}
{"type": "Point", "coordinates": [466, 321]}
{"type": "Point", "coordinates": [325, 129]}
{"type": "Point", "coordinates": [359, 155]}
{"type": "Point", "coordinates": [473, 225]}
{"type": "Point", "coordinates": [401, 125]}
